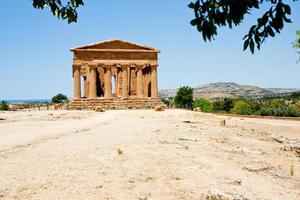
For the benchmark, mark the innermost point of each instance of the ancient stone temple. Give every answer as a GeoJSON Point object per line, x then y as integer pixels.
{"type": "Point", "coordinates": [115, 74]}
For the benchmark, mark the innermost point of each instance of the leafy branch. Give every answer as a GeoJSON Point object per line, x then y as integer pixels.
{"type": "Point", "coordinates": [66, 11]}
{"type": "Point", "coordinates": [211, 14]}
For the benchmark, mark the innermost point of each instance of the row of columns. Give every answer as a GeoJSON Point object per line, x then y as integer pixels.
{"type": "Point", "coordinates": [92, 76]}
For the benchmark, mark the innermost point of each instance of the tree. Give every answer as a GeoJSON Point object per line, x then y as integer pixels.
{"type": "Point", "coordinates": [296, 107]}
{"type": "Point", "coordinates": [211, 14]}
{"type": "Point", "coordinates": [277, 103]}
{"type": "Point", "coordinates": [228, 104]}
{"type": "Point", "coordinates": [67, 11]}
{"type": "Point", "coordinates": [218, 105]}
{"type": "Point", "coordinates": [184, 96]}
{"type": "Point", "coordinates": [286, 111]}
{"type": "Point", "coordinates": [241, 108]}
{"type": "Point", "coordinates": [4, 105]}
{"type": "Point", "coordinates": [295, 95]}
{"type": "Point", "coordinates": [205, 105]}
{"type": "Point", "coordinates": [223, 105]}
{"type": "Point", "coordinates": [59, 98]}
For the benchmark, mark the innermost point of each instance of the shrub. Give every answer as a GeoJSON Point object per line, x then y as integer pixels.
{"type": "Point", "coordinates": [59, 98]}
{"type": "Point", "coordinates": [241, 108]}
{"type": "Point", "coordinates": [296, 106]}
{"type": "Point", "coordinates": [166, 101]}
{"type": "Point", "coordinates": [255, 105]}
{"type": "Point", "coordinates": [184, 96]}
{"type": "Point", "coordinates": [228, 104]}
{"type": "Point", "coordinates": [225, 104]}
{"type": "Point", "coordinates": [4, 105]}
{"type": "Point", "coordinates": [295, 95]}
{"type": "Point", "coordinates": [283, 111]}
{"type": "Point", "coordinates": [277, 103]}
{"type": "Point", "coordinates": [218, 106]}
{"type": "Point", "coordinates": [205, 105]}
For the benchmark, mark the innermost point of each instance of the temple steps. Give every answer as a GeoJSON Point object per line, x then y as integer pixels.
{"type": "Point", "coordinates": [115, 103]}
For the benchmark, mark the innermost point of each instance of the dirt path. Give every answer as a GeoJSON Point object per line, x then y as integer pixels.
{"type": "Point", "coordinates": [144, 154]}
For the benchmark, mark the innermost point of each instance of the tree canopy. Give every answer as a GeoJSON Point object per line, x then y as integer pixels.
{"type": "Point", "coordinates": [4, 105]}
{"type": "Point", "coordinates": [184, 96]}
{"type": "Point", "coordinates": [211, 14]}
{"type": "Point", "coordinates": [66, 11]}
{"type": "Point", "coordinates": [59, 98]}
{"type": "Point", "coordinates": [241, 108]}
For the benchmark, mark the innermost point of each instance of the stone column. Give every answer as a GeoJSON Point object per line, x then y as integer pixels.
{"type": "Point", "coordinates": [154, 89]}
{"type": "Point", "coordinates": [93, 81]}
{"type": "Point", "coordinates": [139, 81]}
{"type": "Point", "coordinates": [124, 82]}
{"type": "Point", "coordinates": [77, 86]}
{"type": "Point", "coordinates": [116, 84]}
{"type": "Point", "coordinates": [101, 78]}
{"type": "Point", "coordinates": [107, 83]}
{"type": "Point", "coordinates": [119, 86]}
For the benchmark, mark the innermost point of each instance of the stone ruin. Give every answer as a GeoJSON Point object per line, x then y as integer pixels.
{"type": "Point", "coordinates": [116, 74]}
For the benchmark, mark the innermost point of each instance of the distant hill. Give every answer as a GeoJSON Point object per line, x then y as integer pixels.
{"type": "Point", "coordinates": [283, 90]}
{"type": "Point", "coordinates": [231, 90]}
{"type": "Point", "coordinates": [247, 91]}
{"type": "Point", "coordinates": [167, 93]}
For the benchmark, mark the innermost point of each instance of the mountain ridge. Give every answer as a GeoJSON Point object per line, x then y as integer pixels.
{"type": "Point", "coordinates": [231, 90]}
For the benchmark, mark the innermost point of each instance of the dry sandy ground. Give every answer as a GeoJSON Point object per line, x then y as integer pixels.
{"type": "Point", "coordinates": [144, 154]}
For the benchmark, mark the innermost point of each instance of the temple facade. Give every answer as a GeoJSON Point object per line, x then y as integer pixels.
{"type": "Point", "coordinates": [115, 74]}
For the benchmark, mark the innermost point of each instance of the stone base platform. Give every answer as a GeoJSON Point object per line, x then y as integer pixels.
{"type": "Point", "coordinates": [115, 103]}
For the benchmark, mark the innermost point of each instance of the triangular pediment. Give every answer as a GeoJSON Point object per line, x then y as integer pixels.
{"type": "Point", "coordinates": [116, 44]}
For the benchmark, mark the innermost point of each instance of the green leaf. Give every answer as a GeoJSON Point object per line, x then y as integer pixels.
{"type": "Point", "coordinates": [194, 22]}
{"type": "Point", "coordinates": [191, 5]}
{"type": "Point", "coordinates": [252, 46]}
{"type": "Point", "coordinates": [287, 9]}
{"type": "Point", "coordinates": [246, 44]}
{"type": "Point", "coordinates": [270, 31]}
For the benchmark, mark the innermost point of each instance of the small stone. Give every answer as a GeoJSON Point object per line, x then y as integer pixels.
{"type": "Point", "coordinates": [197, 109]}
{"type": "Point", "coordinates": [159, 108]}
{"type": "Point", "coordinates": [99, 109]}
{"type": "Point", "coordinates": [223, 123]}
{"type": "Point", "coordinates": [216, 195]}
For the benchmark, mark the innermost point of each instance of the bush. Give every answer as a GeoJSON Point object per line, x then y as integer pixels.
{"type": "Point", "coordinates": [225, 104]}
{"type": "Point", "coordinates": [277, 103]}
{"type": "Point", "coordinates": [241, 108]}
{"type": "Point", "coordinates": [4, 105]}
{"type": "Point", "coordinates": [218, 106]}
{"type": "Point", "coordinates": [205, 105]}
{"type": "Point", "coordinates": [59, 98]}
{"type": "Point", "coordinates": [283, 111]}
{"type": "Point", "coordinates": [295, 95]}
{"type": "Point", "coordinates": [166, 101]}
{"type": "Point", "coordinates": [184, 97]}
{"type": "Point", "coordinates": [296, 106]}
{"type": "Point", "coordinates": [228, 104]}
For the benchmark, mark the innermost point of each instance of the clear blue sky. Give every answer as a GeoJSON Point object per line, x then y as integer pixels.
{"type": "Point", "coordinates": [36, 62]}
